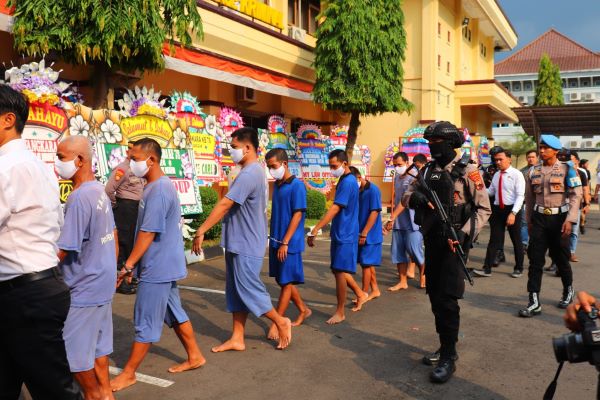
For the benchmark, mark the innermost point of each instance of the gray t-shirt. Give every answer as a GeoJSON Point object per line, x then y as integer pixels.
{"type": "Point", "coordinates": [404, 222]}
{"type": "Point", "coordinates": [90, 268]}
{"type": "Point", "coordinates": [245, 225]}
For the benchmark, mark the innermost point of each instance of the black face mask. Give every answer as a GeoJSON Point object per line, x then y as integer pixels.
{"type": "Point", "coordinates": [442, 152]}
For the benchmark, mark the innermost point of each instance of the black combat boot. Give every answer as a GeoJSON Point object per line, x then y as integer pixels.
{"type": "Point", "coordinates": [434, 358]}
{"type": "Point", "coordinates": [567, 297]}
{"type": "Point", "coordinates": [533, 308]}
{"type": "Point", "coordinates": [443, 371]}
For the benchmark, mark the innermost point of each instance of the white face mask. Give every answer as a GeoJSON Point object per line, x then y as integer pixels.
{"type": "Point", "coordinates": [65, 169]}
{"type": "Point", "coordinates": [139, 168]}
{"type": "Point", "coordinates": [277, 173]}
{"type": "Point", "coordinates": [338, 172]}
{"type": "Point", "coordinates": [401, 170]}
{"type": "Point", "coordinates": [237, 155]}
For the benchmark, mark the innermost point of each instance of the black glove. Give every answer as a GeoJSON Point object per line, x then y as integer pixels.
{"type": "Point", "coordinates": [417, 200]}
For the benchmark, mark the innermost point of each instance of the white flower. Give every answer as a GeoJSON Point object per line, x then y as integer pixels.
{"type": "Point", "coordinates": [111, 131]}
{"type": "Point", "coordinates": [292, 141]}
{"type": "Point", "coordinates": [78, 126]}
{"type": "Point", "coordinates": [179, 138]}
{"type": "Point", "coordinates": [211, 125]}
{"type": "Point", "coordinates": [264, 140]}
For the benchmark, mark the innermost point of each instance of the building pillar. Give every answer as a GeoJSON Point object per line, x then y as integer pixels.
{"type": "Point", "coordinates": [429, 54]}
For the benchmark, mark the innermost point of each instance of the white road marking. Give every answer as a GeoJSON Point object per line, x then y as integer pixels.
{"type": "Point", "coordinates": [199, 289]}
{"type": "Point", "coordinates": [144, 378]}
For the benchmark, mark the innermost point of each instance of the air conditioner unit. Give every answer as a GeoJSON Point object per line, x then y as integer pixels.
{"type": "Point", "coordinates": [521, 99]}
{"type": "Point", "coordinates": [246, 95]}
{"type": "Point", "coordinates": [575, 97]}
{"type": "Point", "coordinates": [588, 97]}
{"type": "Point", "coordinates": [574, 144]}
{"type": "Point", "coordinates": [586, 144]}
{"type": "Point", "coordinates": [296, 33]}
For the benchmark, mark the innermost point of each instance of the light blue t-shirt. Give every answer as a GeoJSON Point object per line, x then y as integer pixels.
{"type": "Point", "coordinates": [245, 225]}
{"type": "Point", "coordinates": [344, 227]}
{"type": "Point", "coordinates": [404, 222]}
{"type": "Point", "coordinates": [90, 267]}
{"type": "Point", "coordinates": [160, 212]}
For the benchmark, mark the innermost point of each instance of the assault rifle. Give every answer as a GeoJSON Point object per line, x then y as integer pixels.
{"type": "Point", "coordinates": [439, 209]}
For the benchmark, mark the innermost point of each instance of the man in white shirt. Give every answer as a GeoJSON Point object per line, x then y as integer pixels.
{"type": "Point", "coordinates": [33, 296]}
{"type": "Point", "coordinates": [508, 189]}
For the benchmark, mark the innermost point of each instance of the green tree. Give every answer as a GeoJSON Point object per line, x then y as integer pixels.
{"type": "Point", "coordinates": [549, 90]}
{"type": "Point", "coordinates": [358, 60]}
{"type": "Point", "coordinates": [124, 35]}
{"type": "Point", "coordinates": [520, 146]}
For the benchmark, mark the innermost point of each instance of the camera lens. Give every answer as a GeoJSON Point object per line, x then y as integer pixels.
{"type": "Point", "coordinates": [570, 347]}
{"type": "Point", "coordinates": [560, 348]}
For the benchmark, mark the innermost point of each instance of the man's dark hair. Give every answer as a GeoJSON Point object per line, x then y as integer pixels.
{"type": "Point", "coordinates": [354, 171]}
{"type": "Point", "coordinates": [495, 150]}
{"type": "Point", "coordinates": [402, 155]}
{"type": "Point", "coordinates": [149, 146]}
{"type": "Point", "coordinates": [14, 102]}
{"type": "Point", "coordinates": [531, 151]}
{"type": "Point", "coordinates": [575, 154]}
{"type": "Point", "coordinates": [246, 135]}
{"type": "Point", "coordinates": [279, 154]}
{"type": "Point", "coordinates": [420, 158]}
{"type": "Point", "coordinates": [501, 150]}
{"type": "Point", "coordinates": [339, 154]}
{"type": "Point", "coordinates": [582, 162]}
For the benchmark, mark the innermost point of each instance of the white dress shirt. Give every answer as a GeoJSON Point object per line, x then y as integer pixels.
{"type": "Point", "coordinates": [30, 212]}
{"type": "Point", "coordinates": [513, 188]}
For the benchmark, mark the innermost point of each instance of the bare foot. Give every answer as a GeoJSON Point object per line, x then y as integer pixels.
{"type": "Point", "coordinates": [122, 381]}
{"type": "Point", "coordinates": [303, 315]}
{"type": "Point", "coordinates": [422, 282]}
{"type": "Point", "coordinates": [229, 345]}
{"type": "Point", "coordinates": [374, 295]}
{"type": "Point", "coordinates": [273, 333]}
{"type": "Point", "coordinates": [361, 301]}
{"type": "Point", "coordinates": [399, 286]}
{"type": "Point", "coordinates": [188, 365]}
{"type": "Point", "coordinates": [285, 334]}
{"type": "Point", "coordinates": [335, 319]}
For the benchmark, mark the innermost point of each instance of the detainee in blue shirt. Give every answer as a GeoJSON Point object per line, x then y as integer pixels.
{"type": "Point", "coordinates": [343, 215]}
{"type": "Point", "coordinates": [88, 257]}
{"type": "Point", "coordinates": [370, 238]}
{"type": "Point", "coordinates": [286, 241]}
{"type": "Point", "coordinates": [244, 237]}
{"type": "Point", "coordinates": [158, 255]}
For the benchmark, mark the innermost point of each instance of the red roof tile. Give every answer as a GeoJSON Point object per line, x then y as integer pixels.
{"type": "Point", "coordinates": [568, 54]}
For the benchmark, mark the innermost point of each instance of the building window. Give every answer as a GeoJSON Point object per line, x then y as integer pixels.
{"type": "Point", "coordinates": [564, 83]}
{"type": "Point", "coordinates": [439, 61]}
{"type": "Point", "coordinates": [467, 33]}
{"type": "Point", "coordinates": [527, 86]}
{"type": "Point", "coordinates": [586, 82]}
{"type": "Point", "coordinates": [506, 85]}
{"type": "Point", "coordinates": [482, 50]}
{"type": "Point", "coordinates": [449, 36]}
{"type": "Point", "coordinates": [573, 83]}
{"type": "Point", "coordinates": [303, 14]}
{"type": "Point", "coordinates": [596, 81]}
{"type": "Point", "coordinates": [439, 29]}
{"type": "Point", "coordinates": [448, 67]}
{"type": "Point", "coordinates": [517, 86]}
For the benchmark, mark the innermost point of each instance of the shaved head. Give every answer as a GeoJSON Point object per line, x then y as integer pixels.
{"type": "Point", "coordinates": [76, 145]}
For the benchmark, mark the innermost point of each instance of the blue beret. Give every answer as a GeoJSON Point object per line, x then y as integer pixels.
{"type": "Point", "coordinates": [551, 141]}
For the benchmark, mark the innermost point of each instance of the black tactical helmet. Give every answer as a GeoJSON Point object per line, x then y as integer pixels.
{"type": "Point", "coordinates": [446, 131]}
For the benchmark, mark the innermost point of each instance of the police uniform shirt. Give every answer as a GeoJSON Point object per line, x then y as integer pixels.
{"type": "Point", "coordinates": [471, 187]}
{"type": "Point", "coordinates": [546, 186]}
{"type": "Point", "coordinates": [30, 212]}
{"type": "Point", "coordinates": [123, 184]}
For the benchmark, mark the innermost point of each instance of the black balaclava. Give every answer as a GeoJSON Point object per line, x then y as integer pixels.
{"type": "Point", "coordinates": [443, 152]}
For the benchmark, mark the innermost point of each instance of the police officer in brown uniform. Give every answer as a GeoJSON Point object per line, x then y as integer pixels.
{"type": "Point", "coordinates": [461, 190]}
{"type": "Point", "coordinates": [552, 197]}
{"type": "Point", "coordinates": [125, 190]}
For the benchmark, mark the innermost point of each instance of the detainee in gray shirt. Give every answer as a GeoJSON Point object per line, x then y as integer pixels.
{"type": "Point", "coordinates": [244, 238]}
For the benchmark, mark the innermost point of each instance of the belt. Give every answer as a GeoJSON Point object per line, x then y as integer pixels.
{"type": "Point", "coordinates": [10, 284]}
{"type": "Point", "coordinates": [551, 210]}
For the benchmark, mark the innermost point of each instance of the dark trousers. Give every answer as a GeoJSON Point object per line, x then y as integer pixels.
{"type": "Point", "coordinates": [445, 285]}
{"type": "Point", "coordinates": [545, 234]}
{"type": "Point", "coordinates": [126, 213]}
{"type": "Point", "coordinates": [32, 349]}
{"type": "Point", "coordinates": [497, 230]}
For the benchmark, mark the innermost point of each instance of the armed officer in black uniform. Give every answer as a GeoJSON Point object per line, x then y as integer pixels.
{"type": "Point", "coordinates": [461, 190]}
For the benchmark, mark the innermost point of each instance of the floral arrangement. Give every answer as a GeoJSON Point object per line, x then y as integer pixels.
{"type": "Point", "coordinates": [184, 103]}
{"type": "Point", "coordinates": [365, 153]}
{"type": "Point", "coordinates": [339, 131]}
{"type": "Point", "coordinates": [276, 124]}
{"type": "Point", "coordinates": [142, 101]}
{"type": "Point", "coordinates": [308, 131]}
{"type": "Point", "coordinates": [230, 119]}
{"type": "Point", "coordinates": [39, 84]}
